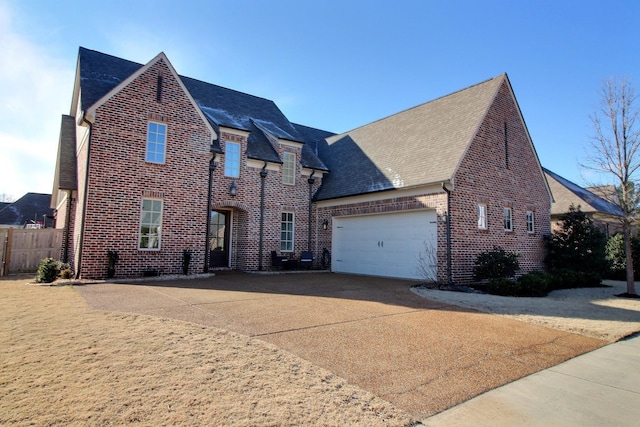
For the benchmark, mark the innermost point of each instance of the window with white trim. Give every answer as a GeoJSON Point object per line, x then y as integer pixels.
{"type": "Point", "coordinates": [482, 216]}
{"type": "Point", "coordinates": [156, 142]}
{"type": "Point", "coordinates": [150, 224]}
{"type": "Point", "coordinates": [530, 222]}
{"type": "Point", "coordinates": [232, 159]}
{"type": "Point", "coordinates": [288, 168]}
{"type": "Point", "coordinates": [508, 219]}
{"type": "Point", "coordinates": [286, 232]}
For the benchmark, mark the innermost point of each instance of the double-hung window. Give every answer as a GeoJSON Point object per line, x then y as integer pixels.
{"type": "Point", "coordinates": [150, 224]}
{"type": "Point", "coordinates": [289, 168]}
{"type": "Point", "coordinates": [156, 142]}
{"type": "Point", "coordinates": [482, 216]}
{"type": "Point", "coordinates": [530, 222]}
{"type": "Point", "coordinates": [508, 222]}
{"type": "Point", "coordinates": [286, 232]}
{"type": "Point", "coordinates": [232, 159]}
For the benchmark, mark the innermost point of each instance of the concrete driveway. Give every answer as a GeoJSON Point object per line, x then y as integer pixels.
{"type": "Point", "coordinates": [421, 355]}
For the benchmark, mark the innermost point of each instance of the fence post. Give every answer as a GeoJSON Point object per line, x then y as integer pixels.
{"type": "Point", "coordinates": [7, 252]}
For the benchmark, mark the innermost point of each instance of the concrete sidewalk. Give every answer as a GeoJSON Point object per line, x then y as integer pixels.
{"type": "Point", "coordinates": [595, 389]}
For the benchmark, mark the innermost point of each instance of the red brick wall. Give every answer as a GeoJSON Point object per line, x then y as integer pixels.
{"type": "Point", "coordinates": [278, 198]}
{"type": "Point", "coordinates": [483, 177]}
{"type": "Point", "coordinates": [119, 178]}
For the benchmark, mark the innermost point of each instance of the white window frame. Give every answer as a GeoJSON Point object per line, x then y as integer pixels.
{"type": "Point", "coordinates": [531, 228]}
{"type": "Point", "coordinates": [147, 219]}
{"type": "Point", "coordinates": [507, 218]}
{"type": "Point", "coordinates": [287, 230]}
{"type": "Point", "coordinates": [482, 216]}
{"type": "Point", "coordinates": [156, 151]}
{"type": "Point", "coordinates": [232, 159]}
{"type": "Point", "coordinates": [289, 168]}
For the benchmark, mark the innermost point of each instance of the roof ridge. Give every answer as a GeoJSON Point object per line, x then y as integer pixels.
{"type": "Point", "coordinates": [423, 104]}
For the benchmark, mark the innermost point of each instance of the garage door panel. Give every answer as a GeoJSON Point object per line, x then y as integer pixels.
{"type": "Point", "coordinates": [382, 245]}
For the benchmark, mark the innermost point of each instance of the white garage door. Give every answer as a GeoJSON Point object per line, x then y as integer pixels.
{"type": "Point", "coordinates": [383, 245]}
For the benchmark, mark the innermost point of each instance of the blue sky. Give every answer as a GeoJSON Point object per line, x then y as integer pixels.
{"type": "Point", "coordinates": [331, 64]}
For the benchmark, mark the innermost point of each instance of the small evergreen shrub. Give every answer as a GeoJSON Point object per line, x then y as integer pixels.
{"type": "Point", "coordinates": [534, 284]}
{"type": "Point", "coordinates": [112, 260]}
{"type": "Point", "coordinates": [48, 270]}
{"type": "Point", "coordinates": [186, 260]}
{"type": "Point", "coordinates": [501, 286]}
{"type": "Point", "coordinates": [617, 258]}
{"type": "Point", "coordinates": [568, 279]}
{"type": "Point", "coordinates": [496, 263]}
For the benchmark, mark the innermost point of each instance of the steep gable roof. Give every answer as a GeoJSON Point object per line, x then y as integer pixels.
{"type": "Point", "coordinates": [418, 146]}
{"type": "Point", "coordinates": [566, 193]}
{"type": "Point", "coordinates": [30, 207]}
{"type": "Point", "coordinates": [100, 73]}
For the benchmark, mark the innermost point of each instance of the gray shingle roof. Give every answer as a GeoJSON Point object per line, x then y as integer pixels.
{"type": "Point", "coordinates": [421, 145]}
{"type": "Point", "coordinates": [566, 193]}
{"type": "Point", "coordinates": [30, 207]}
{"type": "Point", "coordinates": [99, 73]}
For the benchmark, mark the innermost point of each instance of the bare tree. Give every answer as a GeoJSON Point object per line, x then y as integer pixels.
{"type": "Point", "coordinates": [615, 152]}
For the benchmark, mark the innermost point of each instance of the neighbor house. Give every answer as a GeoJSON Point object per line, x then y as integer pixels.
{"type": "Point", "coordinates": [604, 214]}
{"type": "Point", "coordinates": [30, 211]}
{"type": "Point", "coordinates": [152, 164]}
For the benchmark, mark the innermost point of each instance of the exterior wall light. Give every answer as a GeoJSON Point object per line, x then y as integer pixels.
{"type": "Point", "coordinates": [233, 190]}
{"type": "Point", "coordinates": [325, 224]}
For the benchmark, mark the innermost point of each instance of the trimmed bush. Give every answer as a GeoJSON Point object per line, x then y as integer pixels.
{"type": "Point", "coordinates": [534, 284]}
{"type": "Point", "coordinates": [496, 263]}
{"type": "Point", "coordinates": [48, 270]}
{"type": "Point", "coordinates": [568, 279]}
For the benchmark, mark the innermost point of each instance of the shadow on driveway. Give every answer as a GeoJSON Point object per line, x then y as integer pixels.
{"type": "Point", "coordinates": [423, 356]}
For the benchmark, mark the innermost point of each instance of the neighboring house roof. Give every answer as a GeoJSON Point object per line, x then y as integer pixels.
{"type": "Point", "coordinates": [567, 193]}
{"type": "Point", "coordinates": [418, 146]}
{"type": "Point", "coordinates": [4, 205]}
{"type": "Point", "coordinates": [30, 207]}
{"type": "Point", "coordinates": [101, 73]}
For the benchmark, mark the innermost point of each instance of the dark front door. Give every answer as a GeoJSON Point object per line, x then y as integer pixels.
{"type": "Point", "coordinates": [220, 226]}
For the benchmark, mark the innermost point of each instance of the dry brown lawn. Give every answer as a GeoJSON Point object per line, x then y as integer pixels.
{"type": "Point", "coordinates": [62, 363]}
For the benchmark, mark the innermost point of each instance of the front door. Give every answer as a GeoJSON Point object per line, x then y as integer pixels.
{"type": "Point", "coordinates": [219, 243]}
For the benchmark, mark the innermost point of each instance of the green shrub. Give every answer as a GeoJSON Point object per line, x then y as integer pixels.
{"type": "Point", "coordinates": [568, 279]}
{"type": "Point", "coordinates": [501, 286]}
{"type": "Point", "coordinates": [579, 245]}
{"type": "Point", "coordinates": [48, 270]}
{"type": "Point", "coordinates": [534, 284]}
{"type": "Point", "coordinates": [186, 260]}
{"type": "Point", "coordinates": [496, 263]}
{"type": "Point", "coordinates": [617, 258]}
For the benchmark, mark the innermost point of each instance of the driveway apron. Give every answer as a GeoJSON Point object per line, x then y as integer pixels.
{"type": "Point", "coordinates": [420, 355]}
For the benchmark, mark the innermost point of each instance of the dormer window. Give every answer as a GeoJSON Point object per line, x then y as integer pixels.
{"type": "Point", "coordinates": [232, 159]}
{"type": "Point", "coordinates": [289, 168]}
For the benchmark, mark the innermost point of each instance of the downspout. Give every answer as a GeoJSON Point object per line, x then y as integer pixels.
{"type": "Point", "coordinates": [448, 230]}
{"type": "Point", "coordinates": [86, 198]}
{"type": "Point", "coordinates": [212, 168]}
{"type": "Point", "coordinates": [263, 175]}
{"type": "Point", "coordinates": [65, 253]}
{"type": "Point", "coordinates": [311, 181]}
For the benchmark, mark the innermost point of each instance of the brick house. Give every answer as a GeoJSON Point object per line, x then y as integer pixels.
{"type": "Point", "coordinates": [152, 163]}
{"type": "Point", "coordinates": [604, 214]}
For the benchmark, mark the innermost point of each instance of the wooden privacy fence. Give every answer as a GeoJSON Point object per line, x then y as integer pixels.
{"type": "Point", "coordinates": [22, 249]}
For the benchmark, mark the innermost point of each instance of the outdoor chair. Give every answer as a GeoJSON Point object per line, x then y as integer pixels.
{"type": "Point", "coordinates": [278, 261]}
{"type": "Point", "coordinates": [306, 259]}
